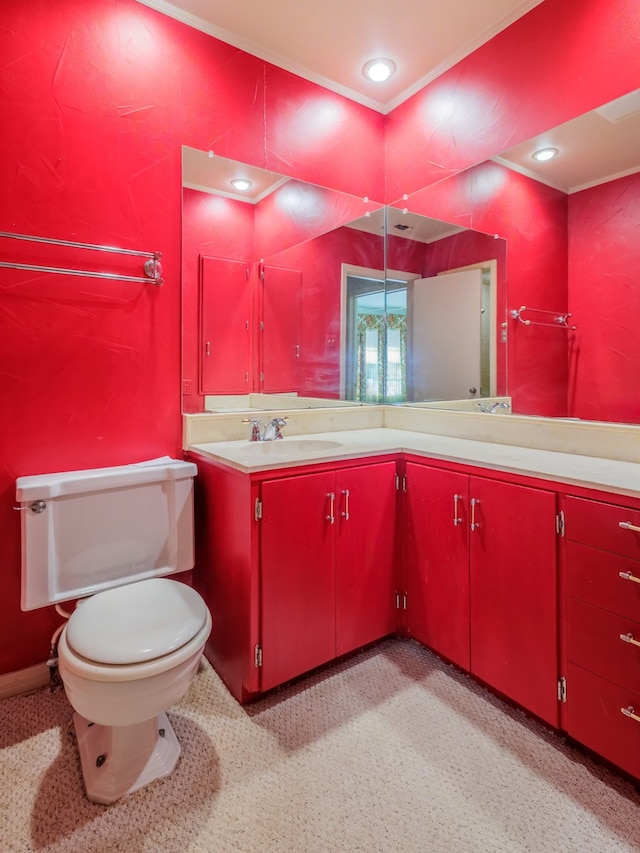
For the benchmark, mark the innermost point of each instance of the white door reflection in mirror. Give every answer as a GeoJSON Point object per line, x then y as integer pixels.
{"type": "Point", "coordinates": [444, 337]}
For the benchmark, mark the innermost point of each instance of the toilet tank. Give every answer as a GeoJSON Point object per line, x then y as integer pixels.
{"type": "Point", "coordinates": [86, 531]}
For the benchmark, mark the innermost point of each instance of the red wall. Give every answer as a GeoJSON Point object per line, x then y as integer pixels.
{"type": "Point", "coordinates": [562, 59]}
{"type": "Point", "coordinates": [604, 298]}
{"type": "Point", "coordinates": [320, 262]}
{"type": "Point", "coordinates": [96, 98]}
{"type": "Point", "coordinates": [533, 219]}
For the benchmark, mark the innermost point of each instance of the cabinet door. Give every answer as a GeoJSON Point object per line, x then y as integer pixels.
{"type": "Point", "coordinates": [297, 576]}
{"type": "Point", "coordinates": [281, 324]}
{"type": "Point", "coordinates": [365, 577]}
{"type": "Point", "coordinates": [224, 326]}
{"type": "Point", "coordinates": [438, 561]}
{"type": "Point", "coordinates": [513, 593]}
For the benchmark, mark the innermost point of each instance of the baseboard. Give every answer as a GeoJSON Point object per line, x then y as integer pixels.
{"type": "Point", "coordinates": [23, 680]}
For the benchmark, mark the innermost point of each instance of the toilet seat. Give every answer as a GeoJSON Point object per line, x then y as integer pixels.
{"type": "Point", "coordinates": [136, 624]}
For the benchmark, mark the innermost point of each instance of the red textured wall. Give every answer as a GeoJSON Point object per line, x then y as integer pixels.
{"type": "Point", "coordinates": [320, 262]}
{"type": "Point", "coordinates": [560, 60]}
{"type": "Point", "coordinates": [220, 228]}
{"type": "Point", "coordinates": [96, 98]}
{"type": "Point", "coordinates": [604, 298]}
{"type": "Point", "coordinates": [533, 219]}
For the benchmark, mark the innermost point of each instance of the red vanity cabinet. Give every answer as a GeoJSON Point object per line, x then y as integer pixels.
{"type": "Point", "coordinates": [436, 559]}
{"type": "Point", "coordinates": [297, 566]}
{"type": "Point", "coordinates": [513, 592]}
{"type": "Point", "coordinates": [481, 579]}
{"type": "Point", "coordinates": [601, 576]}
{"type": "Point", "coordinates": [327, 566]}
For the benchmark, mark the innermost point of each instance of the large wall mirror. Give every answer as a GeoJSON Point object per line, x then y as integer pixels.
{"type": "Point", "coordinates": [513, 278]}
{"type": "Point", "coordinates": [569, 309]}
{"type": "Point", "coordinates": [294, 294]}
{"type": "Point", "coordinates": [273, 276]}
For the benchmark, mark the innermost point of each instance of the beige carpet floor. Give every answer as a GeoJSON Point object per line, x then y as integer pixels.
{"type": "Point", "coordinates": [389, 751]}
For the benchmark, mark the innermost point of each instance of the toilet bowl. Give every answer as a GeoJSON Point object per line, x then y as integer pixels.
{"type": "Point", "coordinates": [134, 643]}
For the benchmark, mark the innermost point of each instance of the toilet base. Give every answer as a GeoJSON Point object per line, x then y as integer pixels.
{"type": "Point", "coordinates": [117, 760]}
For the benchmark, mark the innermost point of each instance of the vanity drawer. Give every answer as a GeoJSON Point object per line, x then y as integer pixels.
{"type": "Point", "coordinates": [595, 718]}
{"type": "Point", "coordinates": [603, 579]}
{"type": "Point", "coordinates": [594, 642]}
{"type": "Point", "coordinates": [598, 524]}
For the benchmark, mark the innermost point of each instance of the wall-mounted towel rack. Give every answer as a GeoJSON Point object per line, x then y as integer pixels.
{"type": "Point", "coordinates": [560, 320]}
{"type": "Point", "coordinates": [152, 266]}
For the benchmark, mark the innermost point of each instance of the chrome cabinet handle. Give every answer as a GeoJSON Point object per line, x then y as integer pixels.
{"type": "Point", "coordinates": [626, 525]}
{"type": "Point", "coordinates": [345, 512]}
{"type": "Point", "coordinates": [207, 348]}
{"type": "Point", "coordinates": [630, 712]}
{"type": "Point", "coordinates": [474, 524]}
{"type": "Point", "coordinates": [456, 518]}
{"type": "Point", "coordinates": [627, 576]}
{"type": "Point", "coordinates": [332, 503]}
{"type": "Point", "coordinates": [628, 638]}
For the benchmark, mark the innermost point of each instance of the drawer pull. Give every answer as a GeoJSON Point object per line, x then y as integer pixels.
{"type": "Point", "coordinates": [626, 525]}
{"type": "Point", "coordinates": [345, 512]}
{"type": "Point", "coordinates": [628, 638]}
{"type": "Point", "coordinates": [627, 576]}
{"type": "Point", "coordinates": [331, 518]}
{"type": "Point", "coordinates": [630, 712]}
{"type": "Point", "coordinates": [474, 524]}
{"type": "Point", "coordinates": [456, 518]}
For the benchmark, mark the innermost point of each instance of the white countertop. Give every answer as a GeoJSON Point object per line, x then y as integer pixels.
{"type": "Point", "coordinates": [586, 471]}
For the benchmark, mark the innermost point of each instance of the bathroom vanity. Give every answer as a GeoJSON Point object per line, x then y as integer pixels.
{"type": "Point", "coordinates": [518, 564]}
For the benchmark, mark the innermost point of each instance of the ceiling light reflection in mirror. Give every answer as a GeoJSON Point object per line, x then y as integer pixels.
{"type": "Point", "coordinates": [267, 262]}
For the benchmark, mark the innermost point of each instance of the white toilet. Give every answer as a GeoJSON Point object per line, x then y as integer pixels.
{"type": "Point", "coordinates": [132, 646]}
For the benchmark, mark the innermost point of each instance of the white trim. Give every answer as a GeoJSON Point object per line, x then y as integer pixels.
{"type": "Point", "coordinates": [24, 680]}
{"type": "Point", "coordinates": [605, 180]}
{"type": "Point", "coordinates": [275, 59]}
{"type": "Point", "coordinates": [460, 54]}
{"type": "Point", "coordinates": [528, 173]}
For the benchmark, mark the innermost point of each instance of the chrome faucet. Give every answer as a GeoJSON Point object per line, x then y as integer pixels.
{"type": "Point", "coordinates": [272, 429]}
{"type": "Point", "coordinates": [492, 407]}
{"type": "Point", "coordinates": [270, 432]}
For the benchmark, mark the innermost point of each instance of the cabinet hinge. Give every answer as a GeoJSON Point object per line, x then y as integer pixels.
{"type": "Point", "coordinates": [401, 483]}
{"type": "Point", "coordinates": [401, 600]}
{"type": "Point", "coordinates": [257, 656]}
{"type": "Point", "coordinates": [560, 523]}
{"type": "Point", "coordinates": [257, 513]}
{"type": "Point", "coordinates": [562, 689]}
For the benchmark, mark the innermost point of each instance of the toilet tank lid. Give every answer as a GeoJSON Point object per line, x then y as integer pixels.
{"type": "Point", "coordinates": [47, 486]}
{"type": "Point", "coordinates": [136, 623]}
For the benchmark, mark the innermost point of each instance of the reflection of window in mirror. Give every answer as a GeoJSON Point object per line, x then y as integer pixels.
{"type": "Point", "coordinates": [374, 363]}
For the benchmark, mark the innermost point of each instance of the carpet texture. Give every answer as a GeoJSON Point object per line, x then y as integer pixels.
{"type": "Point", "coordinates": [391, 751]}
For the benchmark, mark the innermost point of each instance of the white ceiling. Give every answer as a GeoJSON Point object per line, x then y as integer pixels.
{"type": "Point", "coordinates": [329, 41]}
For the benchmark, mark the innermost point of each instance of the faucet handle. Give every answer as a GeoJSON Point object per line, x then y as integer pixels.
{"type": "Point", "coordinates": [256, 423]}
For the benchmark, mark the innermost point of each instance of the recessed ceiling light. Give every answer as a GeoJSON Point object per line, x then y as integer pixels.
{"type": "Point", "coordinates": [241, 184]}
{"type": "Point", "coordinates": [379, 70]}
{"type": "Point", "coordinates": [543, 154]}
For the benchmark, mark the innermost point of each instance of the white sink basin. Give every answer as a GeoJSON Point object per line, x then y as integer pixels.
{"type": "Point", "coordinates": [287, 446]}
